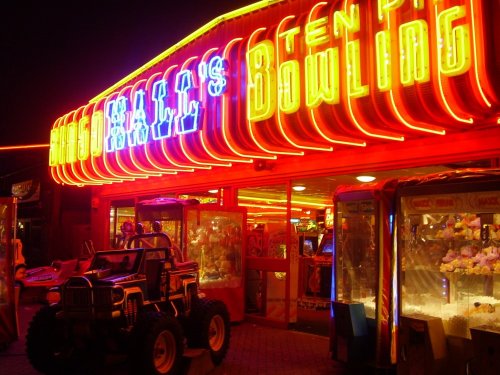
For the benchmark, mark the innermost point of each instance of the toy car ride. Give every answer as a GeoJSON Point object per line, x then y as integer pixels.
{"type": "Point", "coordinates": [139, 301]}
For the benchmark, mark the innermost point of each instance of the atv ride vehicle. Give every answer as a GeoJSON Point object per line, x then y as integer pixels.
{"type": "Point", "coordinates": [139, 301]}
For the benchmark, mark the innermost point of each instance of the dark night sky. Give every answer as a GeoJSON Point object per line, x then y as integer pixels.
{"type": "Point", "coordinates": [56, 55]}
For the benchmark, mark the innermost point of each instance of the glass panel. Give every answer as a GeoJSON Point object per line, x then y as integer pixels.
{"type": "Point", "coordinates": [266, 205]}
{"type": "Point", "coordinates": [169, 216]}
{"type": "Point", "coordinates": [450, 259]}
{"type": "Point", "coordinates": [265, 294]}
{"type": "Point", "coordinates": [214, 241]}
{"type": "Point", "coordinates": [356, 261]}
{"type": "Point", "coordinates": [121, 224]}
{"type": "Point", "coordinates": [204, 197]}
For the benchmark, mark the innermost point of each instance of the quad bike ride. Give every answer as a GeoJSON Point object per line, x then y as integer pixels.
{"type": "Point", "coordinates": [140, 301]}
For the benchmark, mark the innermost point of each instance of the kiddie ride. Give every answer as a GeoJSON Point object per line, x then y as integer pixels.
{"type": "Point", "coordinates": [45, 277]}
{"type": "Point", "coordinates": [141, 302]}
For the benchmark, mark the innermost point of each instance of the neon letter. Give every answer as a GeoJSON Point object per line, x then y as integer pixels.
{"type": "Point", "coordinates": [139, 130]}
{"type": "Point", "coordinates": [383, 57]}
{"type": "Point", "coordinates": [455, 47]}
{"type": "Point", "coordinates": [83, 138]}
{"type": "Point", "coordinates": [316, 32]}
{"type": "Point", "coordinates": [117, 117]}
{"type": "Point", "coordinates": [54, 147]}
{"type": "Point", "coordinates": [341, 20]}
{"type": "Point", "coordinates": [355, 88]}
{"type": "Point", "coordinates": [188, 112]}
{"type": "Point", "coordinates": [217, 83]}
{"type": "Point", "coordinates": [322, 77]}
{"type": "Point", "coordinates": [164, 116]}
{"type": "Point", "coordinates": [414, 49]}
{"type": "Point", "coordinates": [385, 6]}
{"type": "Point", "coordinates": [289, 86]}
{"type": "Point", "coordinates": [96, 133]}
{"type": "Point", "coordinates": [62, 144]}
{"type": "Point", "coordinates": [261, 87]}
{"type": "Point", "coordinates": [289, 36]}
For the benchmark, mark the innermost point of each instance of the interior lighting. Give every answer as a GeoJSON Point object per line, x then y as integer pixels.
{"type": "Point", "coordinates": [213, 191]}
{"type": "Point", "coordinates": [299, 188]}
{"type": "Point", "coordinates": [365, 178]}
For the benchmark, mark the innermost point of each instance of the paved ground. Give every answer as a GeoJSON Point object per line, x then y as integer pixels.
{"type": "Point", "coordinates": [255, 350]}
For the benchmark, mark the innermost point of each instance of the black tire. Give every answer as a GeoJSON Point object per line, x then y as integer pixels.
{"type": "Point", "coordinates": [156, 345]}
{"type": "Point", "coordinates": [209, 328]}
{"type": "Point", "coordinates": [46, 346]}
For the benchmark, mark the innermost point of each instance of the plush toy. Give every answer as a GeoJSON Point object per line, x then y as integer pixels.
{"type": "Point", "coordinates": [450, 255]}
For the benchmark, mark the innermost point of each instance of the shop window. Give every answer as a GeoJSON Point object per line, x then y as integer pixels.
{"type": "Point", "coordinates": [121, 222]}
{"type": "Point", "coordinates": [266, 220]}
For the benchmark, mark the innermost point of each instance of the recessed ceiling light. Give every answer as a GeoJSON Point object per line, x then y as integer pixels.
{"type": "Point", "coordinates": [365, 178]}
{"type": "Point", "coordinates": [299, 188]}
{"type": "Point", "coordinates": [213, 191]}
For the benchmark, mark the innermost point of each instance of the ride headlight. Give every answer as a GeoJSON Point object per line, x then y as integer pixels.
{"type": "Point", "coordinates": [118, 294]}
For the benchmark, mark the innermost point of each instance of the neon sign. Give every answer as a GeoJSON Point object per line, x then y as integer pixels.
{"type": "Point", "coordinates": [325, 37]}
{"type": "Point", "coordinates": [326, 73]}
{"type": "Point", "coordinates": [141, 117]}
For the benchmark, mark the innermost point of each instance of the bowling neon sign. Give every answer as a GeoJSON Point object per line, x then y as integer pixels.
{"type": "Point", "coordinates": [324, 73]}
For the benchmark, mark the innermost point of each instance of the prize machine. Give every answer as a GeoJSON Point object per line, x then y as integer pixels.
{"type": "Point", "coordinates": [362, 319]}
{"type": "Point", "coordinates": [208, 234]}
{"type": "Point", "coordinates": [8, 312]}
{"type": "Point", "coordinates": [448, 230]}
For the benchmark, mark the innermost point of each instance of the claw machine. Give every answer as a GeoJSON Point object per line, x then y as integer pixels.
{"type": "Point", "coordinates": [8, 303]}
{"type": "Point", "coordinates": [449, 272]}
{"type": "Point", "coordinates": [209, 234]}
{"type": "Point", "coordinates": [363, 321]}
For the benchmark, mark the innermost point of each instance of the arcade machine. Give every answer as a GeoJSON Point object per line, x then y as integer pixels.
{"type": "Point", "coordinates": [209, 234]}
{"type": "Point", "coordinates": [363, 322]}
{"type": "Point", "coordinates": [8, 309]}
{"type": "Point", "coordinates": [449, 273]}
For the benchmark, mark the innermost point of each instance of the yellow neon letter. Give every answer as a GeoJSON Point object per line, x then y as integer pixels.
{"type": "Point", "coordinates": [289, 86]}
{"type": "Point", "coordinates": [316, 32]}
{"type": "Point", "coordinates": [83, 138]}
{"type": "Point", "coordinates": [385, 6]}
{"type": "Point", "coordinates": [62, 144]}
{"type": "Point", "coordinates": [350, 22]}
{"type": "Point", "coordinates": [383, 52]}
{"type": "Point", "coordinates": [71, 143]}
{"type": "Point", "coordinates": [54, 151]}
{"type": "Point", "coordinates": [261, 87]}
{"type": "Point", "coordinates": [289, 36]}
{"type": "Point", "coordinates": [96, 133]}
{"type": "Point", "coordinates": [414, 49]}
{"type": "Point", "coordinates": [454, 42]}
{"type": "Point", "coordinates": [355, 88]}
{"type": "Point", "coordinates": [322, 77]}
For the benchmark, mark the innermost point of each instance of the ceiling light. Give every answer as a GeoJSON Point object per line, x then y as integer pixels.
{"type": "Point", "coordinates": [365, 178]}
{"type": "Point", "coordinates": [299, 188]}
{"type": "Point", "coordinates": [213, 191]}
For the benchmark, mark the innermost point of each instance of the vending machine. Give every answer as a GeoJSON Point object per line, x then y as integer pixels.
{"type": "Point", "coordinates": [8, 309]}
{"type": "Point", "coordinates": [449, 270]}
{"type": "Point", "coordinates": [363, 320]}
{"type": "Point", "coordinates": [210, 235]}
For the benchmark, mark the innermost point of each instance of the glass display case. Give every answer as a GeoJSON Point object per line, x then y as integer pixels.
{"type": "Point", "coordinates": [214, 240]}
{"type": "Point", "coordinates": [362, 271]}
{"type": "Point", "coordinates": [449, 256]}
{"type": "Point", "coordinates": [356, 258]}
